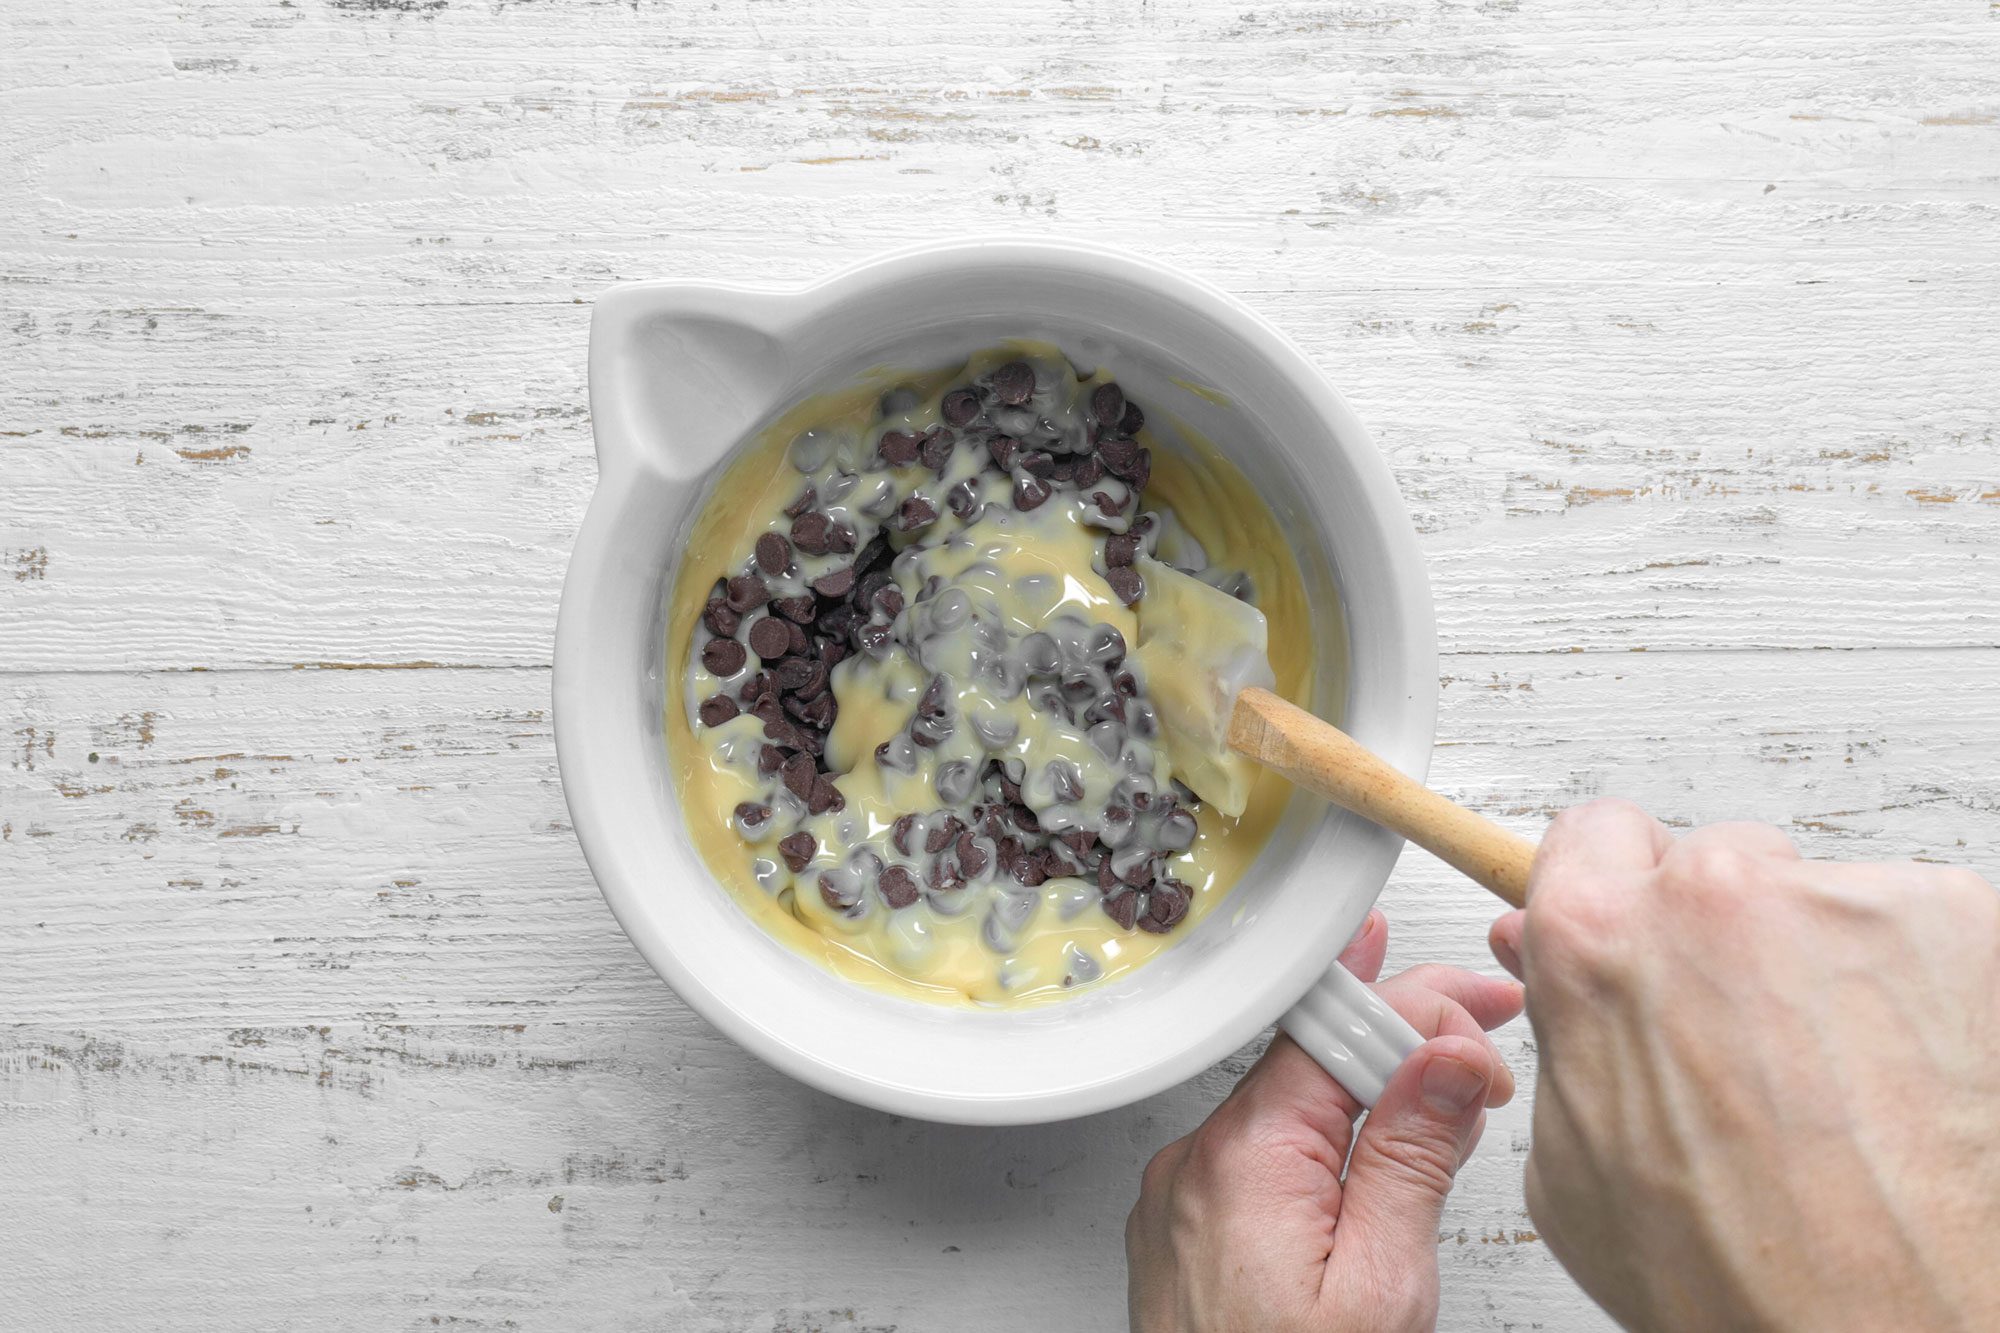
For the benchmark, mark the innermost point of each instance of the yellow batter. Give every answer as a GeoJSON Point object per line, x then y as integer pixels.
{"type": "Point", "coordinates": [1036, 569]}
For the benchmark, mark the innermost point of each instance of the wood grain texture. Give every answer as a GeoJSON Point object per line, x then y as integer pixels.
{"type": "Point", "coordinates": [1675, 321]}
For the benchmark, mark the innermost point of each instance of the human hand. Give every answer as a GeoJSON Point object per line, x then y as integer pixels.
{"type": "Point", "coordinates": [1247, 1224]}
{"type": "Point", "coordinates": [1769, 1090]}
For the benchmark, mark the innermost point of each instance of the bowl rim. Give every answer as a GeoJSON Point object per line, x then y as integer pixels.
{"type": "Point", "coordinates": [1404, 740]}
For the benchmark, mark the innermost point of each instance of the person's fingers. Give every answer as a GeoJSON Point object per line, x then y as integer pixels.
{"type": "Point", "coordinates": [1597, 840]}
{"type": "Point", "coordinates": [1744, 836]}
{"type": "Point", "coordinates": [1504, 938]}
{"type": "Point", "coordinates": [1451, 1002]}
{"type": "Point", "coordinates": [1404, 1161]}
{"type": "Point", "coordinates": [1364, 953]}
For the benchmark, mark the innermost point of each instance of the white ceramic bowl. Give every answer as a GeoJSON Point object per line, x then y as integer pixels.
{"type": "Point", "coordinates": [682, 373]}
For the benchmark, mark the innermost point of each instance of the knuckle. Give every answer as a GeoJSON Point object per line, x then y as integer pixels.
{"type": "Point", "coordinates": [1422, 1159]}
{"type": "Point", "coordinates": [1706, 868]}
{"type": "Point", "coordinates": [1159, 1170]}
{"type": "Point", "coordinates": [1578, 929]}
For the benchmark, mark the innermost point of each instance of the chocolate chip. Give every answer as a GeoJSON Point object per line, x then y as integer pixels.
{"type": "Point", "coordinates": [1168, 903]}
{"type": "Point", "coordinates": [797, 849]}
{"type": "Point", "coordinates": [916, 514]}
{"type": "Point", "coordinates": [1107, 404]}
{"type": "Point", "coordinates": [890, 601]}
{"type": "Point", "coordinates": [1120, 550]}
{"type": "Point", "coordinates": [1122, 907]}
{"type": "Point", "coordinates": [1066, 781]}
{"type": "Point", "coordinates": [1030, 492]}
{"type": "Point", "coordinates": [960, 406]}
{"type": "Point", "coordinates": [1088, 472]}
{"type": "Point", "coordinates": [1038, 462]}
{"type": "Point", "coordinates": [752, 815]}
{"type": "Point", "coordinates": [717, 709]}
{"type": "Point", "coordinates": [873, 640]}
{"type": "Point", "coordinates": [799, 610]}
{"type": "Point", "coordinates": [799, 774]}
{"type": "Point", "coordinates": [774, 553]}
{"type": "Point", "coordinates": [756, 688]}
{"type": "Point", "coordinates": [839, 892]}
{"type": "Point", "coordinates": [809, 532]}
{"type": "Point", "coordinates": [721, 621]}
{"type": "Point", "coordinates": [943, 835]}
{"type": "Point", "coordinates": [963, 501]}
{"type": "Point", "coordinates": [840, 539]}
{"type": "Point", "coordinates": [770, 759]}
{"type": "Point", "coordinates": [1118, 456]}
{"type": "Point", "coordinates": [792, 672]}
{"type": "Point", "coordinates": [784, 732]}
{"type": "Point", "coordinates": [816, 681]}
{"type": "Point", "coordinates": [898, 887]}
{"type": "Point", "coordinates": [1142, 470]}
{"type": "Point", "coordinates": [837, 622]}
{"type": "Point", "coordinates": [835, 585]}
{"type": "Point", "coordinates": [898, 448]}
{"type": "Point", "coordinates": [1003, 448]}
{"type": "Point", "coordinates": [817, 712]}
{"type": "Point", "coordinates": [825, 796]}
{"type": "Point", "coordinates": [807, 499]}
{"type": "Point", "coordinates": [972, 858]}
{"type": "Point", "coordinates": [875, 553]}
{"type": "Point", "coordinates": [900, 830]}
{"type": "Point", "coordinates": [723, 657]}
{"type": "Point", "coordinates": [936, 449]}
{"type": "Point", "coordinates": [1024, 818]}
{"type": "Point", "coordinates": [1014, 383]}
{"type": "Point", "coordinates": [1126, 583]}
{"type": "Point", "coordinates": [1107, 508]}
{"type": "Point", "coordinates": [1130, 423]}
{"type": "Point", "coordinates": [746, 593]}
{"type": "Point", "coordinates": [771, 638]}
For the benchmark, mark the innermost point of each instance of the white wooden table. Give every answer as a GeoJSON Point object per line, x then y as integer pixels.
{"type": "Point", "coordinates": [1678, 322]}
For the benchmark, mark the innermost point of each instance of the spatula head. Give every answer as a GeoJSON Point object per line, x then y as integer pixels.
{"type": "Point", "coordinates": [1199, 648]}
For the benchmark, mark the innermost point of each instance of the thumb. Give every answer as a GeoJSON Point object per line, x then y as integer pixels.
{"type": "Point", "coordinates": [1408, 1151]}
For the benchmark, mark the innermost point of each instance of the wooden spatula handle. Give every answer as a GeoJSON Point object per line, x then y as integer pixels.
{"type": "Point", "coordinates": [1321, 757]}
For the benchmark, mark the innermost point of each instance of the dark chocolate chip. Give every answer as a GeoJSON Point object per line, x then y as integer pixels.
{"type": "Point", "coordinates": [746, 593]}
{"type": "Point", "coordinates": [936, 450]}
{"type": "Point", "coordinates": [1003, 448]}
{"type": "Point", "coordinates": [774, 553]}
{"type": "Point", "coordinates": [799, 774]}
{"type": "Point", "coordinates": [890, 601]}
{"type": "Point", "coordinates": [799, 610]}
{"type": "Point", "coordinates": [752, 814]}
{"type": "Point", "coordinates": [1014, 383]}
{"type": "Point", "coordinates": [1120, 550]}
{"type": "Point", "coordinates": [916, 514]}
{"type": "Point", "coordinates": [809, 531]}
{"type": "Point", "coordinates": [900, 830]}
{"type": "Point", "coordinates": [816, 682]}
{"type": "Point", "coordinates": [899, 448]}
{"type": "Point", "coordinates": [1168, 903]}
{"type": "Point", "coordinates": [807, 499]}
{"type": "Point", "coordinates": [797, 849]}
{"type": "Point", "coordinates": [793, 672]}
{"type": "Point", "coordinates": [870, 584]}
{"type": "Point", "coordinates": [1130, 423]}
{"type": "Point", "coordinates": [1038, 462]}
{"type": "Point", "coordinates": [835, 585]}
{"type": "Point", "coordinates": [873, 640]}
{"type": "Point", "coordinates": [840, 894]}
{"type": "Point", "coordinates": [1087, 473]}
{"type": "Point", "coordinates": [721, 621]}
{"type": "Point", "coordinates": [1024, 818]}
{"type": "Point", "coordinates": [770, 759]}
{"type": "Point", "coordinates": [972, 857]}
{"type": "Point", "coordinates": [960, 406]}
{"type": "Point", "coordinates": [944, 835]}
{"type": "Point", "coordinates": [1122, 907]}
{"type": "Point", "coordinates": [1126, 583]}
{"type": "Point", "coordinates": [756, 688]}
{"type": "Point", "coordinates": [837, 622]}
{"type": "Point", "coordinates": [1142, 471]}
{"type": "Point", "coordinates": [898, 887]}
{"type": "Point", "coordinates": [717, 709]}
{"type": "Point", "coordinates": [723, 657]}
{"type": "Point", "coordinates": [1107, 404]}
{"type": "Point", "coordinates": [840, 539]}
{"type": "Point", "coordinates": [1065, 779]}
{"type": "Point", "coordinates": [963, 501]}
{"type": "Point", "coordinates": [771, 638]}
{"type": "Point", "coordinates": [1030, 492]}
{"type": "Point", "coordinates": [825, 797]}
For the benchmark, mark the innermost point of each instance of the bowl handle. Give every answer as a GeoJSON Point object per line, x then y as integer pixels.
{"type": "Point", "coordinates": [1352, 1032]}
{"type": "Point", "coordinates": [680, 372]}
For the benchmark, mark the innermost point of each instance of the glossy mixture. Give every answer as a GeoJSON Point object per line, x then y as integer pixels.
{"type": "Point", "coordinates": [1005, 694]}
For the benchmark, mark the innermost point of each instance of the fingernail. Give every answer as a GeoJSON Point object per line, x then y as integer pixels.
{"type": "Point", "coordinates": [1451, 1085]}
{"type": "Point", "coordinates": [1509, 957]}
